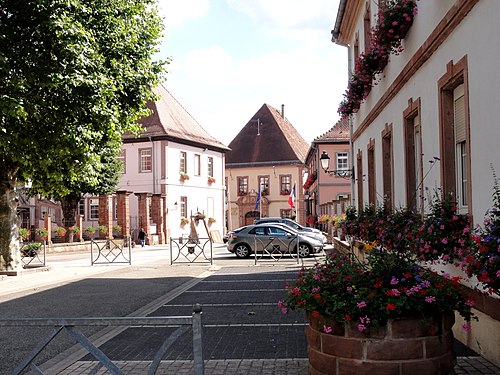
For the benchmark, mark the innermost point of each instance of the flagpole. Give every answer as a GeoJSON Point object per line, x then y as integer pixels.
{"type": "Point", "coordinates": [296, 203]}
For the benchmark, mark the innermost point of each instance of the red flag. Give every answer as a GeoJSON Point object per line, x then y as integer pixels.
{"type": "Point", "coordinates": [291, 197]}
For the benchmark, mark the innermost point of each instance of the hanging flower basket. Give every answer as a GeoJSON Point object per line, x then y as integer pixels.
{"type": "Point", "coordinates": [183, 176]}
{"type": "Point", "coordinates": [393, 23]}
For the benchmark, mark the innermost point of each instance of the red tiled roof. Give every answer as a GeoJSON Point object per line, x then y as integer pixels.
{"type": "Point", "coordinates": [170, 120]}
{"type": "Point", "coordinates": [267, 138]}
{"type": "Point", "coordinates": [338, 133]}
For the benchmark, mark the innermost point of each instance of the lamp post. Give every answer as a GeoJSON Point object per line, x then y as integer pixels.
{"type": "Point", "coordinates": [343, 173]}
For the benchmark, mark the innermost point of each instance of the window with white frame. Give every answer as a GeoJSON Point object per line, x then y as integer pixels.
{"type": "Point", "coordinates": [122, 157]}
{"type": "Point", "coordinates": [145, 160]}
{"type": "Point", "coordinates": [460, 145]}
{"type": "Point", "coordinates": [342, 161]}
{"type": "Point", "coordinates": [81, 207]}
{"type": "Point", "coordinates": [242, 185]}
{"type": "Point", "coordinates": [182, 162]}
{"type": "Point", "coordinates": [285, 184]}
{"type": "Point", "coordinates": [286, 214]}
{"type": "Point", "coordinates": [94, 208]}
{"type": "Point", "coordinates": [264, 184]}
{"type": "Point", "coordinates": [197, 164]}
{"type": "Point", "coordinates": [183, 207]}
{"type": "Point", "coordinates": [210, 166]}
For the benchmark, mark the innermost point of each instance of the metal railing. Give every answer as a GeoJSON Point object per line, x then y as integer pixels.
{"type": "Point", "coordinates": [191, 250]}
{"type": "Point", "coordinates": [275, 248]}
{"type": "Point", "coordinates": [33, 254]}
{"type": "Point", "coordinates": [69, 325]}
{"type": "Point", "coordinates": [110, 251]}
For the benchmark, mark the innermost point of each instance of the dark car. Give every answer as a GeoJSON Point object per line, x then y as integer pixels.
{"type": "Point", "coordinates": [271, 238]}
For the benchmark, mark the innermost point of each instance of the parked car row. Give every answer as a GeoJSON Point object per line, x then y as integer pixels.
{"type": "Point", "coordinates": [271, 238]}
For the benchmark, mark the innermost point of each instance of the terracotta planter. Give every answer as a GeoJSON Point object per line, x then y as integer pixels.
{"type": "Point", "coordinates": [404, 346]}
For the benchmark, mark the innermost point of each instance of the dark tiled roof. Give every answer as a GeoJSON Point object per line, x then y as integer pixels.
{"type": "Point", "coordinates": [277, 143]}
{"type": "Point", "coordinates": [169, 120]}
{"type": "Point", "coordinates": [338, 133]}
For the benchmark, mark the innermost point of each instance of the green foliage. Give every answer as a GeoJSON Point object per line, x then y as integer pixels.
{"type": "Point", "coordinates": [76, 75]}
{"type": "Point", "coordinates": [102, 229]}
{"type": "Point", "coordinates": [90, 230]}
{"type": "Point", "coordinates": [23, 233]}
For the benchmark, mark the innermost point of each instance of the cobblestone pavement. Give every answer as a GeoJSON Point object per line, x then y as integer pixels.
{"type": "Point", "coordinates": [244, 332]}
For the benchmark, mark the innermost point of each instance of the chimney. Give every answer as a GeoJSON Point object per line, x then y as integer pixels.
{"type": "Point", "coordinates": [283, 110]}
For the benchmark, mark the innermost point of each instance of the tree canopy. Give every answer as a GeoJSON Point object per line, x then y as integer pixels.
{"type": "Point", "coordinates": [75, 75]}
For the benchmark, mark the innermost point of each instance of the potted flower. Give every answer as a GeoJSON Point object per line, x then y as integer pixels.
{"type": "Point", "coordinates": [103, 230]}
{"type": "Point", "coordinates": [211, 220]}
{"type": "Point", "coordinates": [60, 231]}
{"type": "Point", "coordinates": [184, 221]}
{"type": "Point", "coordinates": [484, 261]}
{"type": "Point", "coordinates": [183, 176]}
{"type": "Point", "coordinates": [383, 299]}
{"type": "Point", "coordinates": [117, 230]}
{"type": "Point", "coordinates": [211, 180]}
{"type": "Point", "coordinates": [90, 231]}
{"type": "Point", "coordinates": [23, 234]}
{"type": "Point", "coordinates": [75, 230]}
{"type": "Point", "coordinates": [42, 233]}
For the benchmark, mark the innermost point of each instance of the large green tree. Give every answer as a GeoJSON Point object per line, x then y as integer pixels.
{"type": "Point", "coordinates": [74, 76]}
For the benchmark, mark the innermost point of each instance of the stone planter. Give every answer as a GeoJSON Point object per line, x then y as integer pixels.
{"type": "Point", "coordinates": [404, 346]}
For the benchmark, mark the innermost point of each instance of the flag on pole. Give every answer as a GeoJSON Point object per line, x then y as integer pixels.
{"type": "Point", "coordinates": [257, 201]}
{"type": "Point", "coordinates": [291, 197]}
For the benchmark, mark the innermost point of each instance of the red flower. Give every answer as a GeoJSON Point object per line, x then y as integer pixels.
{"type": "Point", "coordinates": [390, 307]}
{"type": "Point", "coordinates": [315, 314]}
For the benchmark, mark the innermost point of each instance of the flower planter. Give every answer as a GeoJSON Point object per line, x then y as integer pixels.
{"type": "Point", "coordinates": [404, 346]}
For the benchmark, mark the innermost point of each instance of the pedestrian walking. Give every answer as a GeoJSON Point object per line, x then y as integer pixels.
{"type": "Point", "coordinates": [142, 237]}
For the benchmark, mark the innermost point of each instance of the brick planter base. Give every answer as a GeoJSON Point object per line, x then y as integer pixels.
{"type": "Point", "coordinates": [404, 347]}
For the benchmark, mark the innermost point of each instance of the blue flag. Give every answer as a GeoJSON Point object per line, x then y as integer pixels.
{"type": "Point", "coordinates": [257, 201]}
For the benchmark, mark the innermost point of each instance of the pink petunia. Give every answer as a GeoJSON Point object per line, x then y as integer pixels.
{"type": "Point", "coordinates": [327, 329]}
{"type": "Point", "coordinates": [361, 304]}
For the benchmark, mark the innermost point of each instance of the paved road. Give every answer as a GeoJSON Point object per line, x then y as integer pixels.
{"type": "Point", "coordinates": [244, 332]}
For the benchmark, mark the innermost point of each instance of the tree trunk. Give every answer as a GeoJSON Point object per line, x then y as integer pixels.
{"type": "Point", "coordinates": [10, 257]}
{"type": "Point", "coordinates": [69, 205]}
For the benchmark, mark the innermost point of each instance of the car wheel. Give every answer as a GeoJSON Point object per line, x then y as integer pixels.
{"type": "Point", "coordinates": [304, 250]}
{"type": "Point", "coordinates": [242, 251]}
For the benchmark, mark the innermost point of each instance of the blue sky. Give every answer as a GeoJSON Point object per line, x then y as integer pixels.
{"type": "Point", "coordinates": [229, 57]}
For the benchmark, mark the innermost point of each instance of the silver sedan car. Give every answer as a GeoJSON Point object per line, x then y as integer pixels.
{"type": "Point", "coordinates": [271, 239]}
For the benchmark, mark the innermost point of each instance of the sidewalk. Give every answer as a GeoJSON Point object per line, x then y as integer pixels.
{"type": "Point", "coordinates": [153, 286]}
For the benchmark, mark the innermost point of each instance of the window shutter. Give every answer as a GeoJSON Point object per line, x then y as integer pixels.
{"type": "Point", "coordinates": [459, 119]}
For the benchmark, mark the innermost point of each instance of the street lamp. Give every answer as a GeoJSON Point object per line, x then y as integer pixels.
{"type": "Point", "coordinates": [325, 164]}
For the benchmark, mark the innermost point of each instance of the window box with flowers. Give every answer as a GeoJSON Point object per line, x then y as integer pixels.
{"type": "Point", "coordinates": [183, 176]}
{"type": "Point", "coordinates": [211, 180]}
{"type": "Point", "coordinates": [310, 180]}
{"type": "Point", "coordinates": [285, 192]}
